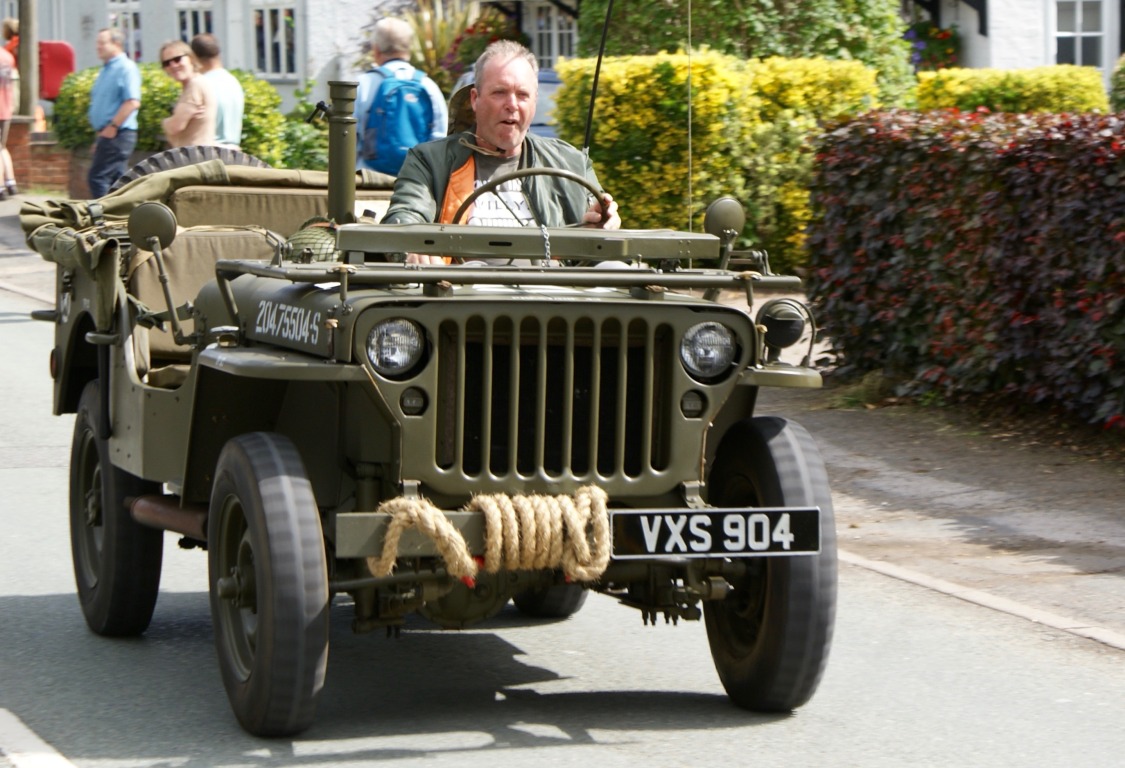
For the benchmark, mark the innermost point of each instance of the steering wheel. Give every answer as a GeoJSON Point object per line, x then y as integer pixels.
{"type": "Point", "coordinates": [491, 186]}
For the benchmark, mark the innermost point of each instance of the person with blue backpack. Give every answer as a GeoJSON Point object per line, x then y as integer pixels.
{"type": "Point", "coordinates": [397, 105]}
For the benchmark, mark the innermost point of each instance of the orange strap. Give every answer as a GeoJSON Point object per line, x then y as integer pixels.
{"type": "Point", "coordinates": [461, 183]}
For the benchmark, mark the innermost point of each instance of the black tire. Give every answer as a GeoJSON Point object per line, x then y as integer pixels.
{"type": "Point", "coordinates": [555, 602]}
{"type": "Point", "coordinates": [117, 561]}
{"type": "Point", "coordinates": [269, 584]}
{"type": "Point", "coordinates": [771, 635]}
{"type": "Point", "coordinates": [178, 157]}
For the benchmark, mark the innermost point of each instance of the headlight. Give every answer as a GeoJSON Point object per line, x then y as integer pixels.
{"type": "Point", "coordinates": [708, 350]}
{"type": "Point", "coordinates": [784, 321]}
{"type": "Point", "coordinates": [395, 347]}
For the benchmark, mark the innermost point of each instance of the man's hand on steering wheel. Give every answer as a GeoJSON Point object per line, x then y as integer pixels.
{"type": "Point", "coordinates": [602, 213]}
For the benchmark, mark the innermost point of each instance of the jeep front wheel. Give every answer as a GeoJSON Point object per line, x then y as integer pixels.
{"type": "Point", "coordinates": [117, 561]}
{"type": "Point", "coordinates": [770, 636]}
{"type": "Point", "coordinates": [268, 584]}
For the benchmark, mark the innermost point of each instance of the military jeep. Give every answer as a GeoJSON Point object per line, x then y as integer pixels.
{"type": "Point", "coordinates": [340, 430]}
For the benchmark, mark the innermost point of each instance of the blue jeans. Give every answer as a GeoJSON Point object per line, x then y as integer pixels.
{"type": "Point", "coordinates": [110, 161]}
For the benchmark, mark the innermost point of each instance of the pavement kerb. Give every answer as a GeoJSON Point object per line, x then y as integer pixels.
{"type": "Point", "coordinates": [15, 251]}
{"type": "Point", "coordinates": [987, 600]}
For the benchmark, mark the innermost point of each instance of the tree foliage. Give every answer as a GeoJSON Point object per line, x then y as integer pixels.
{"type": "Point", "coordinates": [869, 31]}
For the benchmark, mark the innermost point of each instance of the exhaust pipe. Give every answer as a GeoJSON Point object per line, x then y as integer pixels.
{"type": "Point", "coordinates": [341, 151]}
{"type": "Point", "coordinates": [167, 514]}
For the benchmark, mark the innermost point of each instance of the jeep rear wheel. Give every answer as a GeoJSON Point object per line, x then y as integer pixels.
{"type": "Point", "coordinates": [770, 636]}
{"type": "Point", "coordinates": [178, 157]}
{"type": "Point", "coordinates": [117, 561]}
{"type": "Point", "coordinates": [268, 584]}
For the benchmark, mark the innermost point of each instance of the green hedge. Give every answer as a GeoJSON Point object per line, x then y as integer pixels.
{"type": "Point", "coordinates": [262, 127]}
{"type": "Point", "coordinates": [1117, 87]}
{"type": "Point", "coordinates": [263, 124]}
{"type": "Point", "coordinates": [1060, 88]}
{"type": "Point", "coordinates": [867, 31]}
{"type": "Point", "coordinates": [750, 129]}
{"type": "Point", "coordinates": [976, 253]}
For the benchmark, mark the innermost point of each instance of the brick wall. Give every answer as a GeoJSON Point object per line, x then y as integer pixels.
{"type": "Point", "coordinates": [39, 162]}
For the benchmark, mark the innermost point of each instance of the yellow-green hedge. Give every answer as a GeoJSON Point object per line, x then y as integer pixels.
{"type": "Point", "coordinates": [1058, 88]}
{"type": "Point", "coordinates": [816, 87]}
{"type": "Point", "coordinates": [751, 123]}
{"type": "Point", "coordinates": [640, 136]}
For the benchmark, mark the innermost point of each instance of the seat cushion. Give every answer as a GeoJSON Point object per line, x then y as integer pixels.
{"type": "Point", "coordinates": [190, 262]}
{"type": "Point", "coordinates": [279, 209]}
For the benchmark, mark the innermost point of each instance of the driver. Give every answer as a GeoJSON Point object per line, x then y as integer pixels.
{"type": "Point", "coordinates": [439, 175]}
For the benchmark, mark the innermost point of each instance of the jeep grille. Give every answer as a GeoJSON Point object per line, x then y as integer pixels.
{"type": "Point", "coordinates": [584, 398]}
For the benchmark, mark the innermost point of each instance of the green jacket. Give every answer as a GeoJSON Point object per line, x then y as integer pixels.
{"type": "Point", "coordinates": [421, 185]}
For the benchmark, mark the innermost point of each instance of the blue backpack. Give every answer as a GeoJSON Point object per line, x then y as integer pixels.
{"type": "Point", "coordinates": [400, 117]}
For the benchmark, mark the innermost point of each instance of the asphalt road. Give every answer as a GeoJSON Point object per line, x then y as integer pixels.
{"type": "Point", "coordinates": [917, 676]}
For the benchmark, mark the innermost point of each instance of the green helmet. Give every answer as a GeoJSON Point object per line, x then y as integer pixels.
{"type": "Point", "coordinates": [317, 236]}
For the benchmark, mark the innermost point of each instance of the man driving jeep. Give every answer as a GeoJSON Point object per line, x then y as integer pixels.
{"type": "Point", "coordinates": [440, 175]}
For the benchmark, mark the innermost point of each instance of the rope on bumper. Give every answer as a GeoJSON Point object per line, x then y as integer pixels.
{"type": "Point", "coordinates": [428, 519]}
{"type": "Point", "coordinates": [533, 532]}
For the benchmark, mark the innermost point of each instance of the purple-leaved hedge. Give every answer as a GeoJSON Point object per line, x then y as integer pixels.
{"type": "Point", "coordinates": [976, 253]}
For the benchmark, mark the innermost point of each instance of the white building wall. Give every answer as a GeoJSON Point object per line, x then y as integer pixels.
{"type": "Point", "coordinates": [336, 31]}
{"type": "Point", "coordinates": [1021, 33]}
{"type": "Point", "coordinates": [328, 39]}
{"type": "Point", "coordinates": [1018, 34]}
{"type": "Point", "coordinates": [975, 51]}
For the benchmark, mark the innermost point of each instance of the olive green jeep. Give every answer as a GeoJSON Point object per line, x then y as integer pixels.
{"type": "Point", "coordinates": [340, 430]}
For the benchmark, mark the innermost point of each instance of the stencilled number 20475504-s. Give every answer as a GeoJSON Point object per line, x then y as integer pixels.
{"type": "Point", "coordinates": [288, 322]}
{"type": "Point", "coordinates": [679, 533]}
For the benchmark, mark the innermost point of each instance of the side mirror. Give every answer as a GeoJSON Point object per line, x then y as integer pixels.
{"type": "Point", "coordinates": [724, 219]}
{"type": "Point", "coordinates": [149, 220]}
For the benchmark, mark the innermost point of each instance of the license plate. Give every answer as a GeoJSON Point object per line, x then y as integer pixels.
{"type": "Point", "coordinates": [676, 533]}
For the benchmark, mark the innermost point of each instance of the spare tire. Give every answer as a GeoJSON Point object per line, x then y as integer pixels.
{"type": "Point", "coordinates": [178, 157]}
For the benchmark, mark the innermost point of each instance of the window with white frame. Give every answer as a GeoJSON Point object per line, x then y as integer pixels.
{"type": "Point", "coordinates": [125, 15]}
{"type": "Point", "coordinates": [194, 18]}
{"type": "Point", "coordinates": [553, 33]}
{"type": "Point", "coordinates": [275, 38]}
{"type": "Point", "coordinates": [1080, 32]}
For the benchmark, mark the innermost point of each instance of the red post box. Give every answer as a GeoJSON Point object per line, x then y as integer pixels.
{"type": "Point", "coordinates": [56, 61]}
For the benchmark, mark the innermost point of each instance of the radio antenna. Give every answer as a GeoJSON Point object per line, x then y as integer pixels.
{"type": "Point", "coordinates": [597, 74]}
{"type": "Point", "coordinates": [690, 191]}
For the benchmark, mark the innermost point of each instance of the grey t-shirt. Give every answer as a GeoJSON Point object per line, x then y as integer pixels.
{"type": "Point", "coordinates": [507, 206]}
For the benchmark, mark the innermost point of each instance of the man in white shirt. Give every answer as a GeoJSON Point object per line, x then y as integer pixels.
{"type": "Point", "coordinates": [228, 91]}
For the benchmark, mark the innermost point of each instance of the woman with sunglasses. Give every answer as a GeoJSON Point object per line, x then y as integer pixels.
{"type": "Point", "coordinates": [193, 118]}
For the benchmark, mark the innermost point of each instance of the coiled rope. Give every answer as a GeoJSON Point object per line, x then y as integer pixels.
{"type": "Point", "coordinates": [535, 532]}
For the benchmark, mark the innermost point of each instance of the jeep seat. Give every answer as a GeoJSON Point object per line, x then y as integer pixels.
{"type": "Point", "coordinates": [190, 264]}
{"type": "Point", "coordinates": [279, 209]}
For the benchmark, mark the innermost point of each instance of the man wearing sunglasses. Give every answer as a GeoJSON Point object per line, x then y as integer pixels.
{"type": "Point", "coordinates": [114, 101]}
